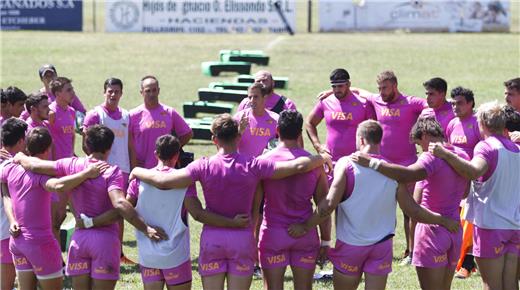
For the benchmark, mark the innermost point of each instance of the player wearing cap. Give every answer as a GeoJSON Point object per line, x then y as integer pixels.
{"type": "Point", "coordinates": [274, 102]}
{"type": "Point", "coordinates": [364, 239]}
{"type": "Point", "coordinates": [438, 106]}
{"type": "Point", "coordinates": [13, 141]}
{"type": "Point", "coordinates": [257, 124]}
{"type": "Point", "coordinates": [37, 105]}
{"type": "Point", "coordinates": [288, 202]}
{"type": "Point", "coordinates": [151, 120]}
{"type": "Point", "coordinates": [228, 252]}
{"type": "Point", "coordinates": [343, 113]}
{"type": "Point", "coordinates": [13, 100]}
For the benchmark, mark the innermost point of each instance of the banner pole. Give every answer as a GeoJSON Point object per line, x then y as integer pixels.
{"type": "Point", "coordinates": [309, 16]}
{"type": "Point", "coordinates": [94, 14]}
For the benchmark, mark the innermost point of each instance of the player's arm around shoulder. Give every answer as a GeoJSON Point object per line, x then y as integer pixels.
{"type": "Point", "coordinates": [35, 164]}
{"type": "Point", "coordinates": [175, 179]}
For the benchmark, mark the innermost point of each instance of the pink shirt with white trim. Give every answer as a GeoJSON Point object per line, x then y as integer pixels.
{"type": "Point", "coordinates": [464, 134]}
{"type": "Point", "coordinates": [92, 117]}
{"type": "Point", "coordinates": [397, 120]}
{"type": "Point", "coordinates": [288, 200]}
{"type": "Point", "coordinates": [61, 128]}
{"type": "Point", "coordinates": [443, 188]}
{"type": "Point", "coordinates": [229, 181]}
{"type": "Point", "coordinates": [485, 151]}
{"type": "Point", "coordinates": [148, 125]}
{"type": "Point", "coordinates": [342, 118]}
{"type": "Point", "coordinates": [31, 203]}
{"type": "Point", "coordinates": [257, 134]}
{"type": "Point", "coordinates": [270, 102]}
{"type": "Point", "coordinates": [91, 197]}
{"type": "Point", "coordinates": [443, 115]}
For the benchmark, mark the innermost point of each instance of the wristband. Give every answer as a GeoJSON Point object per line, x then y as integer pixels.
{"type": "Point", "coordinates": [326, 243]}
{"type": "Point", "coordinates": [87, 221]}
{"type": "Point", "coordinates": [374, 163]}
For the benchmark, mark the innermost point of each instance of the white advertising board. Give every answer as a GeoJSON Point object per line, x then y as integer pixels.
{"type": "Point", "coordinates": [415, 15]}
{"type": "Point", "coordinates": [198, 16]}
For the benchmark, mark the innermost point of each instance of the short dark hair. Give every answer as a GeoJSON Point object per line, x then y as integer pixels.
{"type": "Point", "coordinates": [13, 130]}
{"type": "Point", "coordinates": [513, 84]}
{"type": "Point", "coordinates": [99, 138]}
{"type": "Point", "coordinates": [426, 125]}
{"type": "Point", "coordinates": [145, 78]}
{"type": "Point", "coordinates": [38, 141]}
{"type": "Point", "coordinates": [224, 128]}
{"type": "Point", "coordinates": [339, 75]}
{"type": "Point", "coordinates": [34, 99]}
{"type": "Point", "coordinates": [112, 82]}
{"type": "Point", "coordinates": [58, 84]}
{"type": "Point", "coordinates": [290, 124]}
{"type": "Point", "coordinates": [371, 131]}
{"type": "Point", "coordinates": [167, 146]}
{"type": "Point", "coordinates": [437, 84]}
{"type": "Point", "coordinates": [512, 119]}
{"type": "Point", "coordinates": [258, 86]}
{"type": "Point", "coordinates": [466, 93]}
{"type": "Point", "coordinates": [13, 95]}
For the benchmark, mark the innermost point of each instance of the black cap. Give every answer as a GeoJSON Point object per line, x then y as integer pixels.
{"type": "Point", "coordinates": [339, 75]}
{"type": "Point", "coordinates": [45, 68]}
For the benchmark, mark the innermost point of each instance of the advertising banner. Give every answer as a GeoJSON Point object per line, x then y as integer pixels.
{"type": "Point", "coordinates": [414, 15]}
{"type": "Point", "coordinates": [41, 15]}
{"type": "Point", "coordinates": [199, 16]}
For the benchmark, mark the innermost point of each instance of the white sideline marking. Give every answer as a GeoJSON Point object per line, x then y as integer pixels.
{"type": "Point", "coordinates": [274, 42]}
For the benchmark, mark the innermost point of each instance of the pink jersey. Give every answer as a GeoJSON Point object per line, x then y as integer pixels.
{"type": "Point", "coordinates": [464, 134]}
{"type": "Point", "coordinates": [397, 120]}
{"type": "Point", "coordinates": [270, 102]}
{"type": "Point", "coordinates": [91, 197]}
{"type": "Point", "coordinates": [148, 125]}
{"type": "Point", "coordinates": [61, 127]}
{"type": "Point", "coordinates": [31, 203]}
{"type": "Point", "coordinates": [31, 124]}
{"type": "Point", "coordinates": [342, 118]}
{"type": "Point", "coordinates": [92, 117]}
{"type": "Point", "coordinates": [288, 200]}
{"type": "Point", "coordinates": [443, 188]}
{"type": "Point", "coordinates": [485, 151]}
{"type": "Point", "coordinates": [258, 133]}
{"type": "Point", "coordinates": [229, 181]}
{"type": "Point", "coordinates": [75, 104]}
{"type": "Point", "coordinates": [443, 115]}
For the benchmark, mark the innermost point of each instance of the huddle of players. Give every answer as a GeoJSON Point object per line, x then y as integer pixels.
{"type": "Point", "coordinates": [288, 235]}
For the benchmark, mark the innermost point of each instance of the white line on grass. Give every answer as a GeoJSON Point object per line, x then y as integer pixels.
{"type": "Point", "coordinates": [274, 42]}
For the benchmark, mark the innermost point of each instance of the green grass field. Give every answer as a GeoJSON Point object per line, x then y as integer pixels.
{"type": "Point", "coordinates": [478, 61]}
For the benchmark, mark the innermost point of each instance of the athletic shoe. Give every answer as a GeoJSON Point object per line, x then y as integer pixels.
{"type": "Point", "coordinates": [406, 261]}
{"type": "Point", "coordinates": [257, 273]}
{"type": "Point", "coordinates": [463, 273]}
{"type": "Point", "coordinates": [126, 261]}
